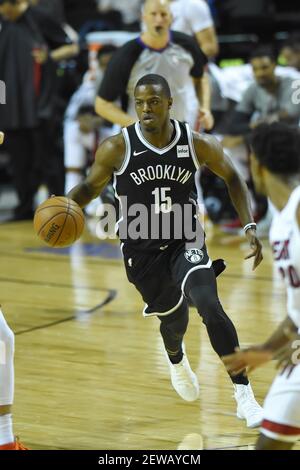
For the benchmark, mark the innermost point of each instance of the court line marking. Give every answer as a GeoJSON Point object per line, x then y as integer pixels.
{"type": "Point", "coordinates": [111, 295]}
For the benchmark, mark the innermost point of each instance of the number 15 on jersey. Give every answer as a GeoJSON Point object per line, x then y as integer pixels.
{"type": "Point", "coordinates": [163, 202]}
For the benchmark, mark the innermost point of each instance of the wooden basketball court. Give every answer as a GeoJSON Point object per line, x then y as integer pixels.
{"type": "Point", "coordinates": [90, 370]}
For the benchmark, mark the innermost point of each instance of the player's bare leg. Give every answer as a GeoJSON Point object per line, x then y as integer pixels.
{"type": "Point", "coordinates": [7, 341]}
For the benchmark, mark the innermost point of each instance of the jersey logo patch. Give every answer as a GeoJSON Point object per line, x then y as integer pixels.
{"type": "Point", "coordinates": [194, 255]}
{"type": "Point", "coordinates": [183, 151]}
{"type": "Point", "coordinates": [135, 153]}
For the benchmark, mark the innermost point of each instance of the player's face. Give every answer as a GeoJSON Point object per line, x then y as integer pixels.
{"type": "Point", "coordinates": [291, 57]}
{"type": "Point", "coordinates": [257, 174]}
{"type": "Point", "coordinates": [152, 107]}
{"type": "Point", "coordinates": [9, 11]}
{"type": "Point", "coordinates": [264, 70]}
{"type": "Point", "coordinates": [157, 17]}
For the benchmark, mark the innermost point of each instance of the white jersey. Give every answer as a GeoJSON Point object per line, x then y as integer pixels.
{"type": "Point", "coordinates": [285, 242]}
{"type": "Point", "coordinates": [190, 16]}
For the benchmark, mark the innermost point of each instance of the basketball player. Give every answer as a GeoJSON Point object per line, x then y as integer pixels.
{"type": "Point", "coordinates": [154, 163]}
{"type": "Point", "coordinates": [7, 440]}
{"type": "Point", "coordinates": [275, 165]}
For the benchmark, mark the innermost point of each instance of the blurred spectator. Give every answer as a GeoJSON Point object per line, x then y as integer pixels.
{"type": "Point", "coordinates": [174, 55]}
{"type": "Point", "coordinates": [268, 99]}
{"type": "Point", "coordinates": [291, 51]}
{"type": "Point", "coordinates": [83, 129]}
{"type": "Point", "coordinates": [34, 41]}
{"type": "Point", "coordinates": [193, 17]}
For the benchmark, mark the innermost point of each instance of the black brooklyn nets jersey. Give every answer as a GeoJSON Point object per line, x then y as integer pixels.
{"type": "Point", "coordinates": [153, 189]}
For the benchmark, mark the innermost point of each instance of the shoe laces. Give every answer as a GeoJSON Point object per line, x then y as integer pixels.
{"type": "Point", "coordinates": [182, 374]}
{"type": "Point", "coordinates": [249, 404]}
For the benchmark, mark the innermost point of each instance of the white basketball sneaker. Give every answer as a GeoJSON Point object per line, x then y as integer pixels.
{"type": "Point", "coordinates": [247, 406]}
{"type": "Point", "coordinates": [183, 379]}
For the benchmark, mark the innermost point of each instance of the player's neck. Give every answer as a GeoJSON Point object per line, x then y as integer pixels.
{"type": "Point", "coordinates": [155, 42]}
{"type": "Point", "coordinates": [279, 190]}
{"type": "Point", "coordinates": [162, 137]}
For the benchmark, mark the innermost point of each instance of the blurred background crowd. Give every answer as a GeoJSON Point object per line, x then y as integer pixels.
{"type": "Point", "coordinates": [67, 67]}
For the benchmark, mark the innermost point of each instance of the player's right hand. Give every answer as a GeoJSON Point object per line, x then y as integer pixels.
{"type": "Point", "coordinates": [256, 248]}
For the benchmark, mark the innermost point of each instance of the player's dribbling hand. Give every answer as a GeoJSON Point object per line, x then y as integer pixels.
{"type": "Point", "coordinates": [246, 360]}
{"type": "Point", "coordinates": [1, 138]}
{"type": "Point", "coordinates": [256, 248]}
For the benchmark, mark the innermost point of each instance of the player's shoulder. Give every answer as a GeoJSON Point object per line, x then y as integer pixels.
{"type": "Point", "coordinates": [205, 140]}
{"type": "Point", "coordinates": [114, 143]}
{"type": "Point", "coordinates": [206, 145]}
{"type": "Point", "coordinates": [111, 151]}
{"type": "Point", "coordinates": [181, 38]}
{"type": "Point", "coordinates": [130, 46]}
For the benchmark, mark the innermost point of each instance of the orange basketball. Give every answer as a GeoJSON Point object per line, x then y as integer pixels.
{"type": "Point", "coordinates": [59, 221]}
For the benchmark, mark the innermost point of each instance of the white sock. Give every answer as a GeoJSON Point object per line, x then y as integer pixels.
{"type": "Point", "coordinates": [6, 429]}
{"type": "Point", "coordinates": [6, 363]}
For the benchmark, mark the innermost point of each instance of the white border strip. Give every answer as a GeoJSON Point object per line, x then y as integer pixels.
{"type": "Point", "coordinates": [162, 314]}
{"type": "Point", "coordinates": [127, 152]}
{"type": "Point", "coordinates": [202, 266]}
{"type": "Point", "coordinates": [156, 149]}
{"type": "Point", "coordinates": [191, 145]}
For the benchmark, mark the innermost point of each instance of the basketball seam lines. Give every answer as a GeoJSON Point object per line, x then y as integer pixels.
{"type": "Point", "coordinates": [63, 225]}
{"type": "Point", "coordinates": [75, 224]}
{"type": "Point", "coordinates": [73, 208]}
{"type": "Point", "coordinates": [49, 220]}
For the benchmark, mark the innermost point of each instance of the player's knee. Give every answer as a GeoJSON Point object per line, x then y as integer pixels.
{"type": "Point", "coordinates": [207, 304]}
{"type": "Point", "coordinates": [177, 322]}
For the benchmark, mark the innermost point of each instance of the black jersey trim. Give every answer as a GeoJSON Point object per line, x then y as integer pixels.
{"type": "Point", "coordinates": [127, 152]}
{"type": "Point", "coordinates": [191, 145]}
{"type": "Point", "coordinates": [152, 147]}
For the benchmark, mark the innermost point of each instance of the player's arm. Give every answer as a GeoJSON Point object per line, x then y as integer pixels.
{"type": "Point", "coordinates": [109, 157]}
{"type": "Point", "coordinates": [278, 346]}
{"type": "Point", "coordinates": [112, 112]}
{"type": "Point", "coordinates": [208, 42]}
{"type": "Point", "coordinates": [203, 90]}
{"type": "Point", "coordinates": [210, 153]}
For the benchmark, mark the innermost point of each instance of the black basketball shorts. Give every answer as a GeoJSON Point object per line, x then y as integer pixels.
{"type": "Point", "coordinates": [160, 277]}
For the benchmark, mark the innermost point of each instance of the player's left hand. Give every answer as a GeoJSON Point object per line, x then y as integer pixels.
{"type": "Point", "coordinates": [256, 248]}
{"type": "Point", "coordinates": [206, 119]}
{"type": "Point", "coordinates": [247, 359]}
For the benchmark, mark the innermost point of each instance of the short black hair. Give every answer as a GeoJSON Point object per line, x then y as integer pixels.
{"type": "Point", "coordinates": [264, 51]}
{"type": "Point", "coordinates": [155, 79]}
{"type": "Point", "coordinates": [277, 147]}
